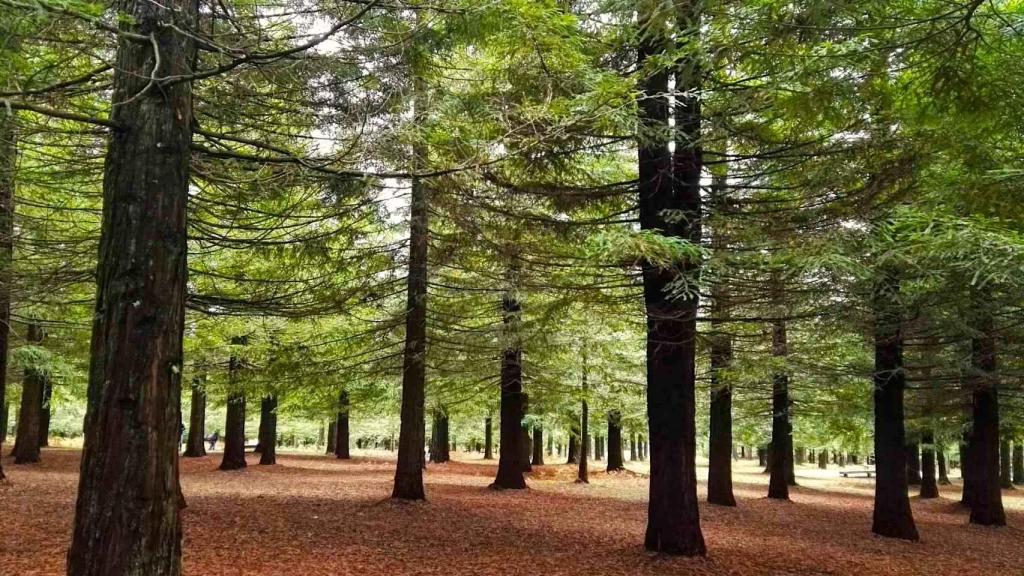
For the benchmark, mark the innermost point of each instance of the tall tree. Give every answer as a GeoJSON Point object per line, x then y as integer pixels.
{"type": "Point", "coordinates": [26, 443]}
{"type": "Point", "coordinates": [196, 443]}
{"type": "Point", "coordinates": [134, 413]}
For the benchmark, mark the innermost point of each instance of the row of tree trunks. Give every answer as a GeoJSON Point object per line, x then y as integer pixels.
{"type": "Point", "coordinates": [195, 447]}
{"type": "Point", "coordinates": [30, 413]}
{"type": "Point", "coordinates": [8, 167]}
{"type": "Point", "coordinates": [669, 184]}
{"type": "Point", "coordinates": [127, 516]}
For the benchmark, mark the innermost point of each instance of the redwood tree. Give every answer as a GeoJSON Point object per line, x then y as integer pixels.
{"type": "Point", "coordinates": [127, 518]}
{"type": "Point", "coordinates": [196, 444]}
{"type": "Point", "coordinates": [26, 442]}
{"type": "Point", "coordinates": [8, 165]}
{"type": "Point", "coordinates": [510, 454]}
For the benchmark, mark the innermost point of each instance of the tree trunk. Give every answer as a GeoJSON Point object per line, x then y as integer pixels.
{"type": "Point", "coordinates": [1005, 456]}
{"type": "Point", "coordinates": [133, 416]}
{"type": "Point", "coordinates": [234, 427]}
{"type": "Point", "coordinates": [332, 436]}
{"type": "Point", "coordinates": [26, 442]}
{"type": "Point", "coordinates": [615, 442]}
{"type": "Point", "coordinates": [409, 470]}
{"type": "Point", "coordinates": [488, 439]}
{"type": "Point", "coordinates": [929, 485]}
{"type": "Point", "coordinates": [573, 450]}
{"type": "Point", "coordinates": [986, 499]}
{"type": "Point", "coordinates": [780, 455]}
{"type": "Point", "coordinates": [1018, 462]}
{"type": "Point", "coordinates": [510, 454]}
{"type": "Point", "coordinates": [439, 451]}
{"type": "Point", "coordinates": [342, 442]}
{"type": "Point", "coordinates": [892, 514]}
{"type": "Point", "coordinates": [669, 184]}
{"type": "Point", "coordinates": [538, 445]}
{"type": "Point", "coordinates": [196, 445]}
{"type": "Point", "coordinates": [583, 471]}
{"type": "Point", "coordinates": [823, 460]}
{"type": "Point", "coordinates": [720, 427]}
{"type": "Point", "coordinates": [943, 472]}
{"type": "Point", "coordinates": [913, 464]}
{"type": "Point", "coordinates": [44, 413]}
{"type": "Point", "coordinates": [8, 167]}
{"type": "Point", "coordinates": [268, 430]}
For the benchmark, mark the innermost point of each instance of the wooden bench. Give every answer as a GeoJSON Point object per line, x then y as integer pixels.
{"type": "Point", "coordinates": [857, 473]}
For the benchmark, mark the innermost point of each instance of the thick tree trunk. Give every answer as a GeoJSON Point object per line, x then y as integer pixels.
{"type": "Point", "coordinates": [1005, 471]}
{"type": "Point", "coordinates": [780, 454]}
{"type": "Point", "coordinates": [409, 470]}
{"type": "Point", "coordinates": [1018, 462]}
{"type": "Point", "coordinates": [986, 499]}
{"type": "Point", "coordinates": [26, 442]}
{"type": "Point", "coordinates": [632, 447]}
{"type": "Point", "coordinates": [439, 442]}
{"type": "Point", "coordinates": [510, 454]}
{"type": "Point", "coordinates": [538, 445]}
{"type": "Point", "coordinates": [196, 445]}
{"type": "Point", "coordinates": [268, 430]}
{"type": "Point", "coordinates": [669, 184]}
{"type": "Point", "coordinates": [913, 464]}
{"type": "Point", "coordinates": [823, 460]}
{"type": "Point", "coordinates": [8, 166]}
{"type": "Point", "coordinates": [720, 428]}
{"type": "Point", "coordinates": [234, 427]}
{"type": "Point", "coordinates": [943, 472]}
{"type": "Point", "coordinates": [929, 484]}
{"type": "Point", "coordinates": [127, 517]}
{"type": "Point", "coordinates": [488, 439]}
{"type": "Point", "coordinates": [892, 514]}
{"type": "Point", "coordinates": [342, 440]}
{"type": "Point", "coordinates": [615, 462]}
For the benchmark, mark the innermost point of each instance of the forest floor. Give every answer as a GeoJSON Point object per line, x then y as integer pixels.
{"type": "Point", "coordinates": [313, 515]}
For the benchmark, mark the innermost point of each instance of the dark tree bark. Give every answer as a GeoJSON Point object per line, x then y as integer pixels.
{"type": "Point", "coordinates": [573, 448]}
{"type": "Point", "coordinates": [943, 472]}
{"type": "Point", "coordinates": [510, 454]}
{"type": "Point", "coordinates": [892, 514]}
{"type": "Point", "coordinates": [196, 445]}
{"type": "Point", "coordinates": [583, 470]}
{"type": "Point", "coordinates": [45, 413]}
{"type": "Point", "coordinates": [1018, 462]}
{"type": "Point", "coordinates": [488, 439]}
{"type": "Point", "coordinates": [133, 415]}
{"type": "Point", "coordinates": [439, 442]}
{"type": "Point", "coordinates": [268, 430]}
{"type": "Point", "coordinates": [8, 167]}
{"type": "Point", "coordinates": [720, 428]}
{"type": "Point", "coordinates": [823, 460]}
{"type": "Point", "coordinates": [986, 499]}
{"type": "Point", "coordinates": [929, 484]}
{"type": "Point", "coordinates": [342, 440]}
{"type": "Point", "coordinates": [1005, 472]}
{"type": "Point", "coordinates": [26, 442]}
{"type": "Point", "coordinates": [234, 427]}
{"type": "Point", "coordinates": [615, 462]}
{"type": "Point", "coordinates": [409, 470]}
{"type": "Point", "coordinates": [780, 455]}
{"type": "Point", "coordinates": [332, 437]}
{"type": "Point", "coordinates": [913, 464]}
{"type": "Point", "coordinates": [669, 183]}
{"type": "Point", "coordinates": [538, 445]}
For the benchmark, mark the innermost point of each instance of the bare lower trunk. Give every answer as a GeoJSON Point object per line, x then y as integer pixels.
{"type": "Point", "coordinates": [268, 430]}
{"type": "Point", "coordinates": [943, 472]}
{"type": "Point", "coordinates": [26, 442]}
{"type": "Point", "coordinates": [720, 428]}
{"type": "Point", "coordinates": [929, 484]}
{"type": "Point", "coordinates": [488, 439]}
{"type": "Point", "coordinates": [1018, 462]}
{"type": "Point", "coordinates": [342, 440]}
{"type": "Point", "coordinates": [573, 448]}
{"type": "Point", "coordinates": [583, 471]}
{"type": "Point", "coordinates": [538, 445]}
{"type": "Point", "coordinates": [234, 427]}
{"type": "Point", "coordinates": [127, 516]}
{"type": "Point", "coordinates": [45, 413]}
{"type": "Point", "coordinates": [615, 462]}
{"type": "Point", "coordinates": [986, 500]}
{"type": "Point", "coordinates": [892, 514]}
{"type": "Point", "coordinates": [8, 166]}
{"type": "Point", "coordinates": [1005, 472]}
{"type": "Point", "coordinates": [779, 456]}
{"type": "Point", "coordinates": [510, 456]}
{"type": "Point", "coordinates": [196, 445]}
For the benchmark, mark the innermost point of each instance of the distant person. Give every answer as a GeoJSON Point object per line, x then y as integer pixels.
{"type": "Point", "coordinates": [213, 439]}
